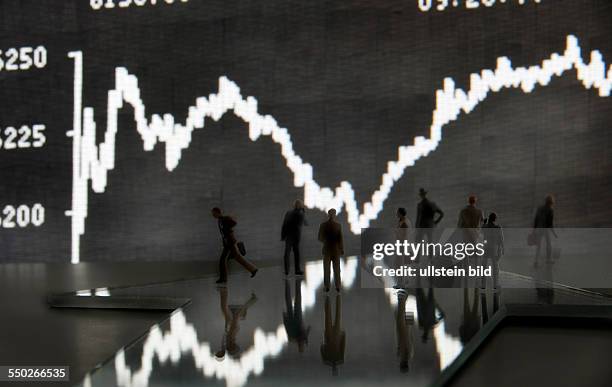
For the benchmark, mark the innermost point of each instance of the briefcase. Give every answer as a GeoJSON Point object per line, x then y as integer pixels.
{"type": "Point", "coordinates": [241, 248]}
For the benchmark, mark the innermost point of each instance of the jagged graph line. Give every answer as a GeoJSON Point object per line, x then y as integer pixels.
{"type": "Point", "coordinates": [91, 162]}
{"type": "Point", "coordinates": [181, 340]}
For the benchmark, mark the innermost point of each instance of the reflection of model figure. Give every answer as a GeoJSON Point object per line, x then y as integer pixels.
{"type": "Point", "coordinates": [471, 316]}
{"type": "Point", "coordinates": [291, 233]}
{"type": "Point", "coordinates": [226, 226]}
{"type": "Point", "coordinates": [330, 234]}
{"type": "Point", "coordinates": [543, 227]}
{"type": "Point", "coordinates": [485, 310]}
{"type": "Point", "coordinates": [494, 246]}
{"type": "Point", "coordinates": [292, 318]}
{"type": "Point", "coordinates": [426, 309]}
{"type": "Point", "coordinates": [332, 349]}
{"type": "Point", "coordinates": [403, 328]}
{"type": "Point", "coordinates": [232, 315]}
{"type": "Point", "coordinates": [545, 291]}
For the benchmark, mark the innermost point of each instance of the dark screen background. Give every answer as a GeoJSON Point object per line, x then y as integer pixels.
{"type": "Point", "coordinates": [350, 80]}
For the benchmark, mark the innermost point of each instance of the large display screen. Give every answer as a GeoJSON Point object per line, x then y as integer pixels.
{"type": "Point", "coordinates": [122, 122]}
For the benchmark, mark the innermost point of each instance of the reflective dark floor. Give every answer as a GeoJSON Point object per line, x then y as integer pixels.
{"type": "Point", "coordinates": [278, 331]}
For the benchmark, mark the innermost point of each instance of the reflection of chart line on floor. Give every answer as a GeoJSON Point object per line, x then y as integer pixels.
{"type": "Point", "coordinates": [182, 340]}
{"type": "Point", "coordinates": [92, 161]}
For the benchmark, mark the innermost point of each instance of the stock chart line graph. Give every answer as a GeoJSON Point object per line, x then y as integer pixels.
{"type": "Point", "coordinates": [92, 162]}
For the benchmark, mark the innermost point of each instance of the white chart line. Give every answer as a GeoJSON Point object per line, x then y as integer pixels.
{"type": "Point", "coordinates": [91, 162]}
{"type": "Point", "coordinates": [181, 340]}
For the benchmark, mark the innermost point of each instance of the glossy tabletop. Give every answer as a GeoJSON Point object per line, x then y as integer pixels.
{"type": "Point", "coordinates": [278, 330]}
